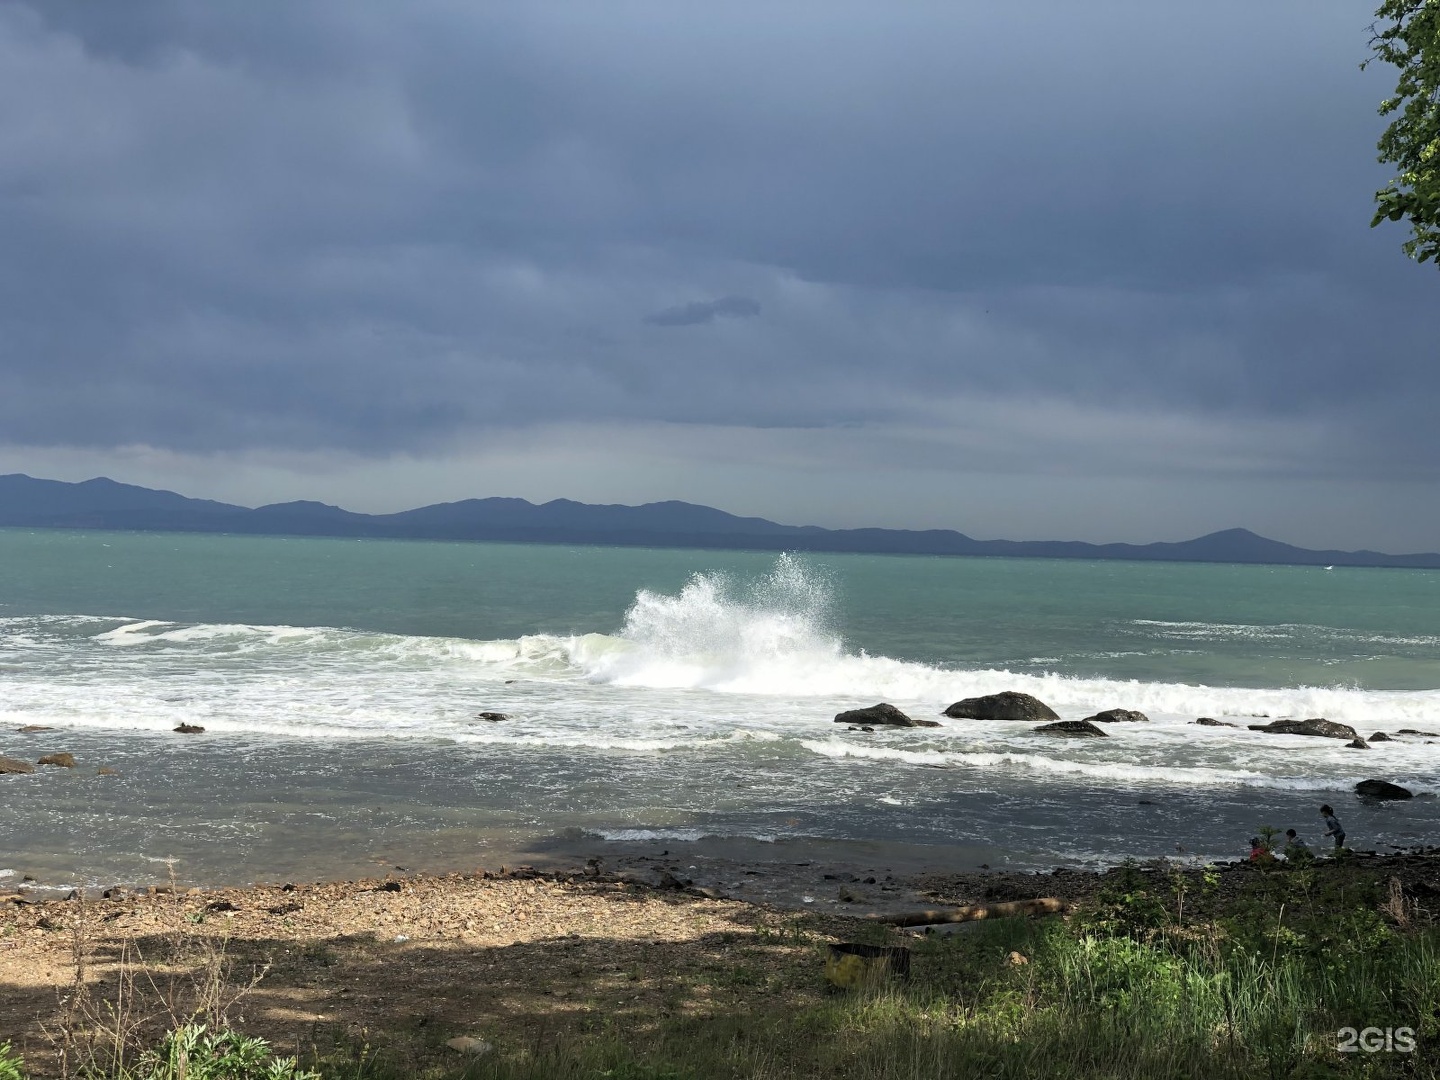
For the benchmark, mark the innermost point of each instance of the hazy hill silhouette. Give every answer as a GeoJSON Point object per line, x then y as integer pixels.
{"type": "Point", "coordinates": [105, 504]}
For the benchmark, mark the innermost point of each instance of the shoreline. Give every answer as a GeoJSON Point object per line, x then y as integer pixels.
{"type": "Point", "coordinates": [415, 960]}
{"type": "Point", "coordinates": [845, 877]}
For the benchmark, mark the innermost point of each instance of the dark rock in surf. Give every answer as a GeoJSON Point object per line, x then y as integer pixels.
{"type": "Point", "coordinates": [1073, 729]}
{"type": "Point", "coordinates": [1358, 744]}
{"type": "Point", "coordinates": [190, 729]}
{"type": "Point", "coordinates": [1382, 789]}
{"type": "Point", "coordinates": [882, 714]}
{"type": "Point", "coordinates": [30, 729]}
{"type": "Point", "coordinates": [1412, 731]}
{"type": "Point", "coordinates": [1326, 729]}
{"type": "Point", "coordinates": [1007, 705]}
{"type": "Point", "coordinates": [1380, 736]}
{"type": "Point", "coordinates": [11, 765]}
{"type": "Point", "coordinates": [64, 761]}
{"type": "Point", "coordinates": [493, 717]}
{"type": "Point", "coordinates": [1210, 721]}
{"type": "Point", "coordinates": [1118, 716]}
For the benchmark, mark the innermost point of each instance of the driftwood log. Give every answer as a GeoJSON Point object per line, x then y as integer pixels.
{"type": "Point", "coordinates": [1045, 905]}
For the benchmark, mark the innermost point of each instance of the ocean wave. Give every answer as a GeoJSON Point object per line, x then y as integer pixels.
{"type": "Point", "coordinates": [1281, 631]}
{"type": "Point", "coordinates": [1126, 774]}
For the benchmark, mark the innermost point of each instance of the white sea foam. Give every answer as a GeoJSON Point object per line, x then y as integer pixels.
{"type": "Point", "coordinates": [1114, 772]}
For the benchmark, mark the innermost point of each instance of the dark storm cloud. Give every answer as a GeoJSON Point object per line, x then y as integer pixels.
{"type": "Point", "coordinates": [704, 311]}
{"type": "Point", "coordinates": [380, 228]}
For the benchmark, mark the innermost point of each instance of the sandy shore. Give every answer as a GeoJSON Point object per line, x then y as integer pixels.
{"type": "Point", "coordinates": [408, 961]}
{"type": "Point", "coordinates": [412, 961]}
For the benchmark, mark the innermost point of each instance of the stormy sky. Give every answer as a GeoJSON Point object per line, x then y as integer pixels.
{"type": "Point", "coordinates": [1098, 271]}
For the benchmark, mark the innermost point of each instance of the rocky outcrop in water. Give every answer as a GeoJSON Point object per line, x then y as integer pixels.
{"type": "Point", "coordinates": [1358, 744]}
{"type": "Point", "coordinates": [1073, 729]}
{"type": "Point", "coordinates": [1381, 789]}
{"type": "Point", "coordinates": [64, 761]}
{"type": "Point", "coordinates": [1210, 721]}
{"type": "Point", "coordinates": [12, 765]}
{"type": "Point", "coordinates": [1326, 729]}
{"type": "Point", "coordinates": [493, 717]}
{"type": "Point", "coordinates": [1007, 705]}
{"type": "Point", "coordinates": [190, 729]}
{"type": "Point", "coordinates": [882, 713]}
{"type": "Point", "coordinates": [1118, 716]}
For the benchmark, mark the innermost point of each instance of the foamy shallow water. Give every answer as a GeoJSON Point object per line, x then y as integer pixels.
{"type": "Point", "coordinates": [708, 712]}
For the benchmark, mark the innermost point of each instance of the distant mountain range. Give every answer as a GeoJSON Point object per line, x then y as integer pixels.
{"type": "Point", "coordinates": [105, 504]}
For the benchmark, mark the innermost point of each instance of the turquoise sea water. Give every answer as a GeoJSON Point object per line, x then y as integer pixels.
{"type": "Point", "coordinates": [676, 693]}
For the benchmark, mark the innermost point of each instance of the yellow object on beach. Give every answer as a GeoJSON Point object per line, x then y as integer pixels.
{"type": "Point", "coordinates": [850, 966]}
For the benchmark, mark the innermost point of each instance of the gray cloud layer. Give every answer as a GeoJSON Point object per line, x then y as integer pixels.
{"type": "Point", "coordinates": [379, 228]}
{"type": "Point", "coordinates": [699, 312]}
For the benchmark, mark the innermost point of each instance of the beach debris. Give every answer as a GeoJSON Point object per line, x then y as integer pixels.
{"type": "Point", "coordinates": [400, 939]}
{"type": "Point", "coordinates": [1007, 705]}
{"type": "Point", "coordinates": [1317, 726]}
{"type": "Point", "coordinates": [464, 1044]}
{"type": "Point", "coordinates": [1074, 729]}
{"type": "Point", "coordinates": [63, 761]}
{"type": "Point", "coordinates": [668, 880]}
{"type": "Point", "coordinates": [883, 713]}
{"type": "Point", "coordinates": [13, 765]}
{"type": "Point", "coordinates": [387, 886]}
{"type": "Point", "coordinates": [30, 729]}
{"type": "Point", "coordinates": [1380, 736]}
{"type": "Point", "coordinates": [1210, 721]}
{"type": "Point", "coordinates": [285, 909]}
{"type": "Point", "coordinates": [1042, 905]}
{"type": "Point", "coordinates": [849, 964]}
{"type": "Point", "coordinates": [1382, 789]}
{"type": "Point", "coordinates": [493, 717]}
{"type": "Point", "coordinates": [190, 729]}
{"type": "Point", "coordinates": [1119, 716]}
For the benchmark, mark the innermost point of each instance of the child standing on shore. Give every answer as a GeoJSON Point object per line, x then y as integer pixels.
{"type": "Point", "coordinates": [1333, 826]}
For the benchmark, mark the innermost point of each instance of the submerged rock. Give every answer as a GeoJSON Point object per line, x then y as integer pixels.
{"type": "Point", "coordinates": [30, 729]}
{"type": "Point", "coordinates": [1327, 729]}
{"type": "Point", "coordinates": [882, 713]}
{"type": "Point", "coordinates": [12, 765]}
{"type": "Point", "coordinates": [1007, 705]}
{"type": "Point", "coordinates": [190, 729]}
{"type": "Point", "coordinates": [1412, 731]}
{"type": "Point", "coordinates": [1380, 736]}
{"type": "Point", "coordinates": [1382, 789]}
{"type": "Point", "coordinates": [493, 717]}
{"type": "Point", "coordinates": [1358, 744]}
{"type": "Point", "coordinates": [1118, 716]}
{"type": "Point", "coordinates": [1210, 721]}
{"type": "Point", "coordinates": [1074, 729]}
{"type": "Point", "coordinates": [64, 761]}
